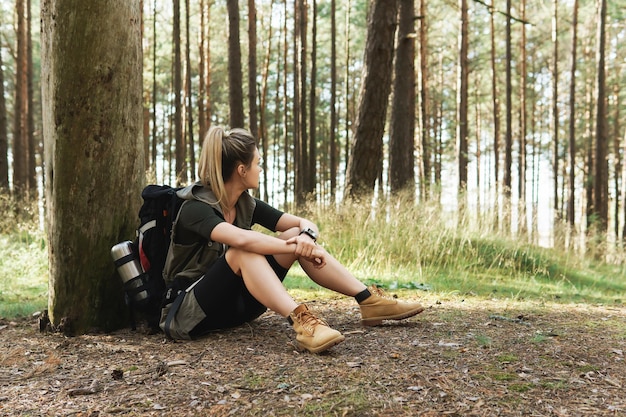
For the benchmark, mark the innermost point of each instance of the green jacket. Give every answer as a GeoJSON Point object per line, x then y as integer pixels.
{"type": "Point", "coordinates": [192, 261]}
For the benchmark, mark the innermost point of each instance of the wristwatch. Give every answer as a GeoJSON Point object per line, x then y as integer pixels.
{"type": "Point", "coordinates": [310, 232]}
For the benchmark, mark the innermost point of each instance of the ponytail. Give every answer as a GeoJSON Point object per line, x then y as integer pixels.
{"type": "Point", "coordinates": [221, 153]}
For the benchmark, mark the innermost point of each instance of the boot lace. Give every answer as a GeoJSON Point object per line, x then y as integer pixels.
{"type": "Point", "coordinates": [380, 292]}
{"type": "Point", "coordinates": [308, 321]}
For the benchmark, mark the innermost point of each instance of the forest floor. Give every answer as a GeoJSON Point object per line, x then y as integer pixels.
{"type": "Point", "coordinates": [458, 358]}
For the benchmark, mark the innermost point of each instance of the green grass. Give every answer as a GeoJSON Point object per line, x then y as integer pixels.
{"type": "Point", "coordinates": [23, 274]}
{"type": "Point", "coordinates": [401, 246]}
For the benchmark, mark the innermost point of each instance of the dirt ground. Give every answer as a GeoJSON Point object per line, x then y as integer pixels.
{"type": "Point", "coordinates": [458, 358]}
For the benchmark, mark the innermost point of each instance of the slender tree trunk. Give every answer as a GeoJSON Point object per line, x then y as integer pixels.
{"type": "Point", "coordinates": [252, 73]}
{"type": "Point", "coordinates": [496, 118]}
{"type": "Point", "coordinates": [88, 131]}
{"type": "Point", "coordinates": [20, 149]}
{"type": "Point", "coordinates": [302, 69]}
{"type": "Point", "coordinates": [589, 163]}
{"type": "Point", "coordinates": [555, 110]}
{"type": "Point", "coordinates": [425, 107]}
{"type": "Point", "coordinates": [601, 164]}
{"type": "Point", "coordinates": [333, 100]}
{"type": "Point", "coordinates": [365, 162]}
{"type": "Point", "coordinates": [181, 166]}
{"type": "Point", "coordinates": [624, 189]}
{"type": "Point", "coordinates": [571, 203]}
{"type": "Point", "coordinates": [263, 129]}
{"type": "Point", "coordinates": [402, 125]}
{"type": "Point", "coordinates": [508, 136]}
{"type": "Point", "coordinates": [462, 103]}
{"type": "Point", "coordinates": [617, 160]}
{"type": "Point", "coordinates": [349, 109]}
{"type": "Point", "coordinates": [4, 137]}
{"type": "Point", "coordinates": [438, 134]}
{"type": "Point", "coordinates": [203, 70]}
{"type": "Point", "coordinates": [153, 157]}
{"type": "Point", "coordinates": [286, 129]}
{"type": "Point", "coordinates": [521, 189]}
{"type": "Point", "coordinates": [235, 77]}
{"type": "Point", "coordinates": [189, 93]}
{"type": "Point", "coordinates": [30, 117]}
{"type": "Point", "coordinates": [297, 103]}
{"type": "Point", "coordinates": [312, 140]}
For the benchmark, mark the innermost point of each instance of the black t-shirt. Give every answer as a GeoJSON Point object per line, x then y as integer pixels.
{"type": "Point", "coordinates": [197, 220]}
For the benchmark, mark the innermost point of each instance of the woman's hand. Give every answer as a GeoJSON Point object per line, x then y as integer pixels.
{"type": "Point", "coordinates": [307, 249]}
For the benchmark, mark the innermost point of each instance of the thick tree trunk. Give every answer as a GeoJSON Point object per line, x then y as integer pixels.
{"type": "Point", "coordinates": [92, 111]}
{"type": "Point", "coordinates": [365, 162]}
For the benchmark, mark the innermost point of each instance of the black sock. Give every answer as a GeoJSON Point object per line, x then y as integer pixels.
{"type": "Point", "coordinates": [362, 296]}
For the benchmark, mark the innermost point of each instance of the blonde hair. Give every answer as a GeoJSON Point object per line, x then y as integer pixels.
{"type": "Point", "coordinates": [221, 152]}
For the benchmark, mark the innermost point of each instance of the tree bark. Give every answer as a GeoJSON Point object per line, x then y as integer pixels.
{"type": "Point", "coordinates": [521, 165]}
{"type": "Point", "coordinates": [425, 107]}
{"type": "Point", "coordinates": [365, 161]}
{"type": "Point", "coordinates": [93, 153]}
{"type": "Point", "coordinates": [508, 136]}
{"type": "Point", "coordinates": [402, 125]}
{"type": "Point", "coordinates": [333, 101]}
{"type": "Point", "coordinates": [189, 94]}
{"type": "Point", "coordinates": [601, 178]}
{"type": "Point", "coordinates": [181, 166]}
{"type": "Point", "coordinates": [235, 77]}
{"type": "Point", "coordinates": [461, 102]}
{"type": "Point", "coordinates": [252, 72]}
{"type": "Point", "coordinates": [571, 201]}
{"type": "Point", "coordinates": [312, 153]}
{"type": "Point", "coordinates": [555, 111]}
{"type": "Point", "coordinates": [4, 137]}
{"type": "Point", "coordinates": [496, 118]}
{"type": "Point", "coordinates": [21, 137]}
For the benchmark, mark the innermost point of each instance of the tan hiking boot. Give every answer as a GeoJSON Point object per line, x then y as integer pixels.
{"type": "Point", "coordinates": [379, 306]}
{"type": "Point", "coordinates": [313, 334]}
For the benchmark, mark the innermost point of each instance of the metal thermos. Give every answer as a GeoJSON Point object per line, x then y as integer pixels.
{"type": "Point", "coordinates": [129, 268]}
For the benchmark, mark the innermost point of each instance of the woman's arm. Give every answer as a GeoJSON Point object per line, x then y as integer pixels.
{"type": "Point", "coordinates": [300, 245]}
{"type": "Point", "coordinates": [287, 221]}
{"type": "Point", "coordinates": [250, 240]}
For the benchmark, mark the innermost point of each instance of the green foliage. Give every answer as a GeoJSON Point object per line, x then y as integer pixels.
{"type": "Point", "coordinates": [23, 274]}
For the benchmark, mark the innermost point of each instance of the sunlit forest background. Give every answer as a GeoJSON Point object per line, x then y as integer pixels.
{"type": "Point", "coordinates": [519, 118]}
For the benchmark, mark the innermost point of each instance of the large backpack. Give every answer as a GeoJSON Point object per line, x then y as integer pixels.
{"type": "Point", "coordinates": [156, 216]}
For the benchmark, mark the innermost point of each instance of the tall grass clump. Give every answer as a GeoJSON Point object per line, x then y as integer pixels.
{"type": "Point", "coordinates": [422, 246]}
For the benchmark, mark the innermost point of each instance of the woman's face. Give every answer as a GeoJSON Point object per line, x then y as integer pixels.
{"type": "Point", "coordinates": [253, 172]}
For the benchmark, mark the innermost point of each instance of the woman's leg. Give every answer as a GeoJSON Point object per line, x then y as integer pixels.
{"type": "Point", "coordinates": [333, 275]}
{"type": "Point", "coordinates": [261, 280]}
{"type": "Point", "coordinates": [264, 285]}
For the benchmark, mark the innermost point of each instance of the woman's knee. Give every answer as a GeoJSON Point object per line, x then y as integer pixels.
{"type": "Point", "coordinates": [236, 258]}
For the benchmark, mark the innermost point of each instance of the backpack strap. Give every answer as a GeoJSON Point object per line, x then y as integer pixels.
{"type": "Point", "coordinates": [149, 225]}
{"type": "Point", "coordinates": [176, 306]}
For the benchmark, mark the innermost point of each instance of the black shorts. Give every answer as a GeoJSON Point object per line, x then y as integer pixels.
{"type": "Point", "coordinates": [224, 298]}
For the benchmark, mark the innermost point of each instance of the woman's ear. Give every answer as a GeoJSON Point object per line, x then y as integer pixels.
{"type": "Point", "coordinates": [241, 170]}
